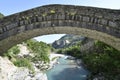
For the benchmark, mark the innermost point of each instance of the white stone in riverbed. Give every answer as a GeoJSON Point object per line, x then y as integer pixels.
{"type": "Point", "coordinates": [6, 68]}
{"type": "Point", "coordinates": [10, 72]}
{"type": "Point", "coordinates": [20, 74]}
{"type": "Point", "coordinates": [23, 74]}
{"type": "Point", "coordinates": [40, 76]}
{"type": "Point", "coordinates": [28, 78]}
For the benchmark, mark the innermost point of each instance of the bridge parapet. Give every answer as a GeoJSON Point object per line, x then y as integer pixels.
{"type": "Point", "coordinates": [101, 19]}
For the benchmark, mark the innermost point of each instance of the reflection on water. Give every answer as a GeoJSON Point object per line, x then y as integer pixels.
{"type": "Point", "coordinates": [67, 70]}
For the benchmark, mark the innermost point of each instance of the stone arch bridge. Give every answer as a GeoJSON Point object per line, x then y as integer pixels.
{"type": "Point", "coordinates": [97, 23]}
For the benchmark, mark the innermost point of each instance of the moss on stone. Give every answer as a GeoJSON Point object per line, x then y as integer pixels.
{"type": "Point", "coordinates": [52, 11]}
{"type": "Point", "coordinates": [44, 14]}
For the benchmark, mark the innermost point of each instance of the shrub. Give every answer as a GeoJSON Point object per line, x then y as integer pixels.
{"type": "Point", "coordinates": [40, 49]}
{"type": "Point", "coordinates": [105, 60]}
{"type": "Point", "coordinates": [23, 62]}
{"type": "Point", "coordinates": [12, 52]}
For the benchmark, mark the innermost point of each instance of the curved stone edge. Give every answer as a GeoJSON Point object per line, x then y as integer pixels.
{"type": "Point", "coordinates": [18, 38]}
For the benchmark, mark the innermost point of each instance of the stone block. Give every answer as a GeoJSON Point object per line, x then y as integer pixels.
{"type": "Point", "coordinates": [48, 18]}
{"type": "Point", "coordinates": [80, 18]}
{"type": "Point", "coordinates": [55, 16]}
{"type": "Point", "coordinates": [86, 18]}
{"type": "Point", "coordinates": [95, 20]}
{"type": "Point", "coordinates": [21, 29]}
{"type": "Point", "coordinates": [21, 23]}
{"type": "Point", "coordinates": [11, 26]}
{"type": "Point", "coordinates": [113, 24]}
{"type": "Point", "coordinates": [99, 15]}
{"type": "Point", "coordinates": [1, 30]}
{"type": "Point", "coordinates": [104, 21]}
{"type": "Point", "coordinates": [39, 18]}
{"type": "Point", "coordinates": [61, 17]}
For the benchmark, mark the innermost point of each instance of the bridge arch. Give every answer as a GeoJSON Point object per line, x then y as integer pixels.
{"type": "Point", "coordinates": [96, 23]}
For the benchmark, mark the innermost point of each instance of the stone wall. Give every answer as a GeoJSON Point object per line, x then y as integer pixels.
{"type": "Point", "coordinates": [97, 23]}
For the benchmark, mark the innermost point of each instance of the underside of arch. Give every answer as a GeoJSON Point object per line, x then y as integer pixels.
{"type": "Point", "coordinates": [18, 38]}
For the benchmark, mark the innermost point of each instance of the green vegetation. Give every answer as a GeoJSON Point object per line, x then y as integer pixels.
{"type": "Point", "coordinates": [40, 49]}
{"type": "Point", "coordinates": [72, 13]}
{"type": "Point", "coordinates": [23, 62]}
{"type": "Point", "coordinates": [45, 14]}
{"type": "Point", "coordinates": [52, 11]}
{"type": "Point", "coordinates": [71, 50]}
{"type": "Point", "coordinates": [1, 15]}
{"type": "Point", "coordinates": [12, 52]}
{"type": "Point", "coordinates": [103, 60]}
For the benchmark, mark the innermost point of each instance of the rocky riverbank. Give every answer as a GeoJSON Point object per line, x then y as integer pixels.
{"type": "Point", "coordinates": [53, 59]}
{"type": "Point", "coordinates": [8, 71]}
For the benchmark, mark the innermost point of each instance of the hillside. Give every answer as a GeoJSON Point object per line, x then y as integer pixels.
{"type": "Point", "coordinates": [67, 40]}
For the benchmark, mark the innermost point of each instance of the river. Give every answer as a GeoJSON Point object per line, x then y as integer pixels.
{"type": "Point", "coordinates": [67, 70]}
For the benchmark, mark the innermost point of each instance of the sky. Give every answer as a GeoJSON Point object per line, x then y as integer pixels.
{"type": "Point", "coordinates": [8, 7]}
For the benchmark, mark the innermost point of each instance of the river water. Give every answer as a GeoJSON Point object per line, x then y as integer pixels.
{"type": "Point", "coordinates": [67, 70]}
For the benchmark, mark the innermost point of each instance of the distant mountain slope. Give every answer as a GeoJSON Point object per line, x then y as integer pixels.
{"type": "Point", "coordinates": [67, 40]}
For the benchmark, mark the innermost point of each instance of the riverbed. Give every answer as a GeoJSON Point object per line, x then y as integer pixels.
{"type": "Point", "coordinates": [67, 69]}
